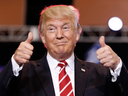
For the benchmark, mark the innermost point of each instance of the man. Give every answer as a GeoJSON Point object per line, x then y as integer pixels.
{"type": "Point", "coordinates": [59, 31]}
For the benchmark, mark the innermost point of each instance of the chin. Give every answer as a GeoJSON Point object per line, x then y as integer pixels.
{"type": "Point", "coordinates": [61, 53]}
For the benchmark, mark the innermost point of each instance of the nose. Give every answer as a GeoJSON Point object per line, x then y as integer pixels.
{"type": "Point", "coordinates": [59, 34]}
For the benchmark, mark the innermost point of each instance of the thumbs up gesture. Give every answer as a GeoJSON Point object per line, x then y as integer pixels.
{"type": "Point", "coordinates": [24, 51]}
{"type": "Point", "coordinates": [106, 55]}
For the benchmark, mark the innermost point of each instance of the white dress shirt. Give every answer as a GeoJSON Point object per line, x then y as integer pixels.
{"type": "Point", "coordinates": [116, 72]}
{"type": "Point", "coordinates": [54, 68]}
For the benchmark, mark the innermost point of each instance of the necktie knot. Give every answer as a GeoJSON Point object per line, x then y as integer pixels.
{"type": "Point", "coordinates": [62, 64]}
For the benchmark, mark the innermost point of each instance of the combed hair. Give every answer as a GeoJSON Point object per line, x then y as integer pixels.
{"type": "Point", "coordinates": [59, 12]}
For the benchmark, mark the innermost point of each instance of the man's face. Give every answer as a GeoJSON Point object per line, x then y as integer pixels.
{"type": "Point", "coordinates": [60, 37]}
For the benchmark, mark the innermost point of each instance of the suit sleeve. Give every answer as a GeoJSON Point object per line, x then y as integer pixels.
{"type": "Point", "coordinates": [120, 87]}
{"type": "Point", "coordinates": [8, 82]}
{"type": "Point", "coordinates": [122, 81]}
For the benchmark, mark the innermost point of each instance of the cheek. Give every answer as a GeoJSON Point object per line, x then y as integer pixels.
{"type": "Point", "coordinates": [73, 37]}
{"type": "Point", "coordinates": [49, 38]}
{"type": "Point", "coordinates": [69, 34]}
{"type": "Point", "coordinates": [72, 41]}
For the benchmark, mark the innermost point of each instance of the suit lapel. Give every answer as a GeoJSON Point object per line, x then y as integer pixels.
{"type": "Point", "coordinates": [81, 75]}
{"type": "Point", "coordinates": [44, 76]}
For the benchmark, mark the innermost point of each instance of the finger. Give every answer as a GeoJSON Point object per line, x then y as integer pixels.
{"type": "Point", "coordinates": [102, 41]}
{"type": "Point", "coordinates": [107, 64]}
{"type": "Point", "coordinates": [25, 56]}
{"type": "Point", "coordinates": [21, 57]}
{"type": "Point", "coordinates": [103, 53]}
{"type": "Point", "coordinates": [99, 51]}
{"type": "Point", "coordinates": [26, 51]}
{"type": "Point", "coordinates": [104, 60]}
{"type": "Point", "coordinates": [30, 38]}
{"type": "Point", "coordinates": [25, 47]}
{"type": "Point", "coordinates": [22, 61]}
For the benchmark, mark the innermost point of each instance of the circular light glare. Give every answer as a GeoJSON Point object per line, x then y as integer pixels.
{"type": "Point", "coordinates": [115, 23]}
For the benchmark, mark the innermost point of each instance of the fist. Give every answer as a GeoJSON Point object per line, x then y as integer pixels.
{"type": "Point", "coordinates": [106, 55]}
{"type": "Point", "coordinates": [25, 50]}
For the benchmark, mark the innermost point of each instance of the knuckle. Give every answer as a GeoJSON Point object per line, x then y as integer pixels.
{"type": "Point", "coordinates": [31, 52]}
{"type": "Point", "coordinates": [110, 57]}
{"type": "Point", "coordinates": [19, 48]}
{"type": "Point", "coordinates": [22, 43]}
{"type": "Point", "coordinates": [28, 57]}
{"type": "Point", "coordinates": [32, 47]}
{"type": "Point", "coordinates": [112, 61]}
{"type": "Point", "coordinates": [101, 61]}
{"type": "Point", "coordinates": [97, 52]}
{"type": "Point", "coordinates": [24, 61]}
{"type": "Point", "coordinates": [97, 57]}
{"type": "Point", "coordinates": [16, 58]}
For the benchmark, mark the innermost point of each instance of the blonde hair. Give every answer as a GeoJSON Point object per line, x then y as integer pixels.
{"type": "Point", "coordinates": [60, 12]}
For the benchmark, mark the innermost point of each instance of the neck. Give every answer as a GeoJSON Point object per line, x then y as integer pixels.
{"type": "Point", "coordinates": [61, 57]}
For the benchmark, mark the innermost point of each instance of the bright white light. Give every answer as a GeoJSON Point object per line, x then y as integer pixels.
{"type": "Point", "coordinates": [115, 23]}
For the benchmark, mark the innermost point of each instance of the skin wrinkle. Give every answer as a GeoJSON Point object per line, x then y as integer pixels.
{"type": "Point", "coordinates": [61, 43]}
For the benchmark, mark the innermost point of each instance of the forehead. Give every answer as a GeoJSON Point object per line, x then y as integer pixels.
{"type": "Point", "coordinates": [58, 22]}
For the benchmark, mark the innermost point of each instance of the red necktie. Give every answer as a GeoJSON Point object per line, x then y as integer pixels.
{"type": "Point", "coordinates": [64, 81]}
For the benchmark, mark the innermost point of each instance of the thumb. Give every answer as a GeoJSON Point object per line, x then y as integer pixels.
{"type": "Point", "coordinates": [30, 38]}
{"type": "Point", "coordinates": [102, 41]}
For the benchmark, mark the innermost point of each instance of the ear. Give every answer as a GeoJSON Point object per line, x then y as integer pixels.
{"type": "Point", "coordinates": [42, 37]}
{"type": "Point", "coordinates": [79, 30]}
{"type": "Point", "coordinates": [77, 37]}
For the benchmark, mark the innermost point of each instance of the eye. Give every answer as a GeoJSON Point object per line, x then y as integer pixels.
{"type": "Point", "coordinates": [51, 29]}
{"type": "Point", "coordinates": [66, 28]}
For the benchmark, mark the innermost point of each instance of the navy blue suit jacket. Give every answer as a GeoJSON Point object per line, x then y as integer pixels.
{"type": "Point", "coordinates": [35, 80]}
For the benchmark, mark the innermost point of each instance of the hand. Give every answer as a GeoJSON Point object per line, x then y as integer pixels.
{"type": "Point", "coordinates": [106, 55]}
{"type": "Point", "coordinates": [24, 51]}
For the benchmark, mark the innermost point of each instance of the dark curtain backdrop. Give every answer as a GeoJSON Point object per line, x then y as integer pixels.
{"type": "Point", "coordinates": [34, 8]}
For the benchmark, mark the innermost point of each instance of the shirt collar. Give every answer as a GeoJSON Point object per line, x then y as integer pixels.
{"type": "Point", "coordinates": [53, 63]}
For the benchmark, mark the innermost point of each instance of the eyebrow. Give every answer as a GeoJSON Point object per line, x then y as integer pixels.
{"type": "Point", "coordinates": [50, 25]}
{"type": "Point", "coordinates": [67, 23]}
